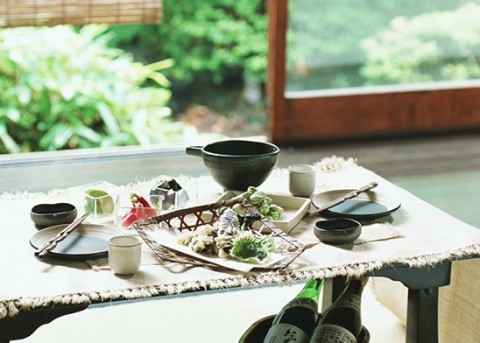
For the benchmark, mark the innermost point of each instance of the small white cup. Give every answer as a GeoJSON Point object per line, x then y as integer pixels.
{"type": "Point", "coordinates": [125, 254]}
{"type": "Point", "coordinates": [302, 179]}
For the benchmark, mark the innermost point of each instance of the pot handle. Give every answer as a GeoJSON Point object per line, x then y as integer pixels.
{"type": "Point", "coordinates": [195, 150]}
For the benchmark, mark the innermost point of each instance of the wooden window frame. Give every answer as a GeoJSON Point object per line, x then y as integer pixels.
{"type": "Point", "coordinates": [376, 111]}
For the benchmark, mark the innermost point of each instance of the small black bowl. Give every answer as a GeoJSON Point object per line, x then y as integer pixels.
{"type": "Point", "coordinates": [44, 215]}
{"type": "Point", "coordinates": [337, 231]}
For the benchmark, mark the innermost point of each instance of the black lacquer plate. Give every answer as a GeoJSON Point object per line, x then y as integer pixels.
{"type": "Point", "coordinates": [366, 206]}
{"type": "Point", "coordinates": [87, 241]}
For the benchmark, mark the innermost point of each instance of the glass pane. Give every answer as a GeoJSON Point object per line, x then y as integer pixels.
{"type": "Point", "coordinates": [348, 43]}
{"type": "Point", "coordinates": [195, 78]}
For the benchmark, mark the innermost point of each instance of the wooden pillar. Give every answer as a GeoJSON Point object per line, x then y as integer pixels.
{"type": "Point", "coordinates": [276, 79]}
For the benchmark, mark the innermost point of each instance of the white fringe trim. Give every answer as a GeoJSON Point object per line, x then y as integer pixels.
{"type": "Point", "coordinates": [333, 164]}
{"type": "Point", "coordinates": [10, 308]}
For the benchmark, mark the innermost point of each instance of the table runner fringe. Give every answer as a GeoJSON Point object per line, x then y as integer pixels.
{"type": "Point", "coordinates": [10, 308]}
{"type": "Point", "coordinates": [333, 164]}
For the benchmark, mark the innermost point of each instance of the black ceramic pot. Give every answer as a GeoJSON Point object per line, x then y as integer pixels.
{"type": "Point", "coordinates": [237, 164]}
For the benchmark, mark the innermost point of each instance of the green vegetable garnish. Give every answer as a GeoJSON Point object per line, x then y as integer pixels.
{"type": "Point", "coordinates": [275, 212]}
{"type": "Point", "coordinates": [238, 208]}
{"type": "Point", "coordinates": [262, 202]}
{"type": "Point", "coordinates": [249, 248]}
{"type": "Point", "coordinates": [264, 208]}
{"type": "Point", "coordinates": [257, 197]}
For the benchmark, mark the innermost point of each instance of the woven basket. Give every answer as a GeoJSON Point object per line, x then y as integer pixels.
{"type": "Point", "coordinates": [189, 219]}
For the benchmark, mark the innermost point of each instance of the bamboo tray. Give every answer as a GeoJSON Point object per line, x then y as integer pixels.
{"type": "Point", "coordinates": [189, 219]}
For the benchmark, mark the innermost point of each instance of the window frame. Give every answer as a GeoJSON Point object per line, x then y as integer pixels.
{"type": "Point", "coordinates": [363, 112]}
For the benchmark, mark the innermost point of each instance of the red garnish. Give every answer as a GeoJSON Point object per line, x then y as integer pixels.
{"type": "Point", "coordinates": [129, 218]}
{"type": "Point", "coordinates": [137, 199]}
{"type": "Point", "coordinates": [141, 209]}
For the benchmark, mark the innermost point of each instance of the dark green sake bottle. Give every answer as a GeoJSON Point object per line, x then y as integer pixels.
{"type": "Point", "coordinates": [297, 319]}
{"type": "Point", "coordinates": [342, 322]}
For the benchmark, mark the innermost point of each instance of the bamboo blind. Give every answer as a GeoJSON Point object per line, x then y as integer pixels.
{"type": "Point", "coordinates": [78, 12]}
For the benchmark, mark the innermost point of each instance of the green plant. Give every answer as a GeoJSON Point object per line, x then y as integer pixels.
{"type": "Point", "coordinates": [326, 40]}
{"type": "Point", "coordinates": [218, 38]}
{"type": "Point", "coordinates": [429, 47]}
{"type": "Point", "coordinates": [62, 88]}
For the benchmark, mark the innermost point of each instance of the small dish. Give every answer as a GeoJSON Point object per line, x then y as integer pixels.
{"type": "Point", "coordinates": [337, 231]}
{"type": "Point", "coordinates": [86, 242]}
{"type": "Point", "coordinates": [44, 215]}
{"type": "Point", "coordinates": [128, 209]}
{"type": "Point", "coordinates": [99, 203]}
{"type": "Point", "coordinates": [174, 196]}
{"type": "Point", "coordinates": [366, 206]}
{"type": "Point", "coordinates": [295, 208]}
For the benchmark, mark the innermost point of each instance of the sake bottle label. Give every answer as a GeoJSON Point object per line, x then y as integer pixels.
{"type": "Point", "coordinates": [330, 333]}
{"type": "Point", "coordinates": [348, 300]}
{"type": "Point", "coordinates": [285, 333]}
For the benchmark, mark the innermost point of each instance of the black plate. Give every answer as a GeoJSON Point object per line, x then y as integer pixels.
{"type": "Point", "coordinates": [88, 241]}
{"type": "Point", "coordinates": [366, 206]}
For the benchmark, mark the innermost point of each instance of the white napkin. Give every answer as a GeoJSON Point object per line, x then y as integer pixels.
{"type": "Point", "coordinates": [377, 232]}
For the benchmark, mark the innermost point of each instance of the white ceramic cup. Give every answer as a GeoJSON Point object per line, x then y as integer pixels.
{"type": "Point", "coordinates": [125, 254]}
{"type": "Point", "coordinates": [301, 178]}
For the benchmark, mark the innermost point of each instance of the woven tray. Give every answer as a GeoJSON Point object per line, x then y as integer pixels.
{"type": "Point", "coordinates": [189, 219]}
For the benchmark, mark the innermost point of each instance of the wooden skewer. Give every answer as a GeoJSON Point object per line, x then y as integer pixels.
{"type": "Point", "coordinates": [337, 201]}
{"type": "Point", "coordinates": [51, 244]}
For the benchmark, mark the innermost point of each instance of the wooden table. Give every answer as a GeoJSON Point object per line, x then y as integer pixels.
{"type": "Point", "coordinates": [35, 292]}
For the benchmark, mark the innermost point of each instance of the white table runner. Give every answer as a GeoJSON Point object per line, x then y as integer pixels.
{"type": "Point", "coordinates": [428, 236]}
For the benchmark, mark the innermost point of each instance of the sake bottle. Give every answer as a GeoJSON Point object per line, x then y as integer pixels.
{"type": "Point", "coordinates": [296, 321]}
{"type": "Point", "coordinates": [341, 322]}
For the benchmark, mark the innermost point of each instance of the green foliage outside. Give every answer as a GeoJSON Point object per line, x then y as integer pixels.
{"type": "Point", "coordinates": [443, 45]}
{"type": "Point", "coordinates": [62, 89]}
{"type": "Point", "coordinates": [346, 43]}
{"type": "Point", "coordinates": [217, 46]}
{"type": "Point", "coordinates": [329, 42]}
{"type": "Point", "coordinates": [65, 88]}
{"type": "Point", "coordinates": [219, 38]}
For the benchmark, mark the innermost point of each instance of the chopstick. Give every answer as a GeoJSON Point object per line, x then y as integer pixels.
{"type": "Point", "coordinates": [340, 200]}
{"type": "Point", "coordinates": [51, 244]}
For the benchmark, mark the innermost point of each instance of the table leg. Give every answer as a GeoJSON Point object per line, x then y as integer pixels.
{"type": "Point", "coordinates": [422, 316]}
{"type": "Point", "coordinates": [422, 310]}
